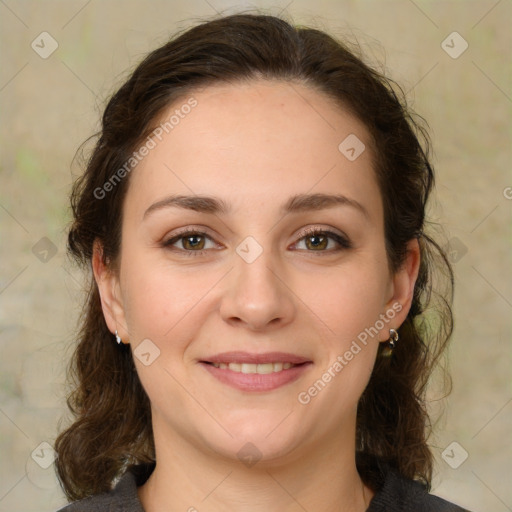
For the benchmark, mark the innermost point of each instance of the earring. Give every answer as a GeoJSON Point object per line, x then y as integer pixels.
{"type": "Point", "coordinates": [393, 338]}
{"type": "Point", "coordinates": [118, 338]}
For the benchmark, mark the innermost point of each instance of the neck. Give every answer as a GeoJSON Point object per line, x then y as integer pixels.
{"type": "Point", "coordinates": [318, 479]}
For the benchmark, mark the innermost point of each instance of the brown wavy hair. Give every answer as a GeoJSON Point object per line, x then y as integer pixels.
{"type": "Point", "coordinates": [112, 428]}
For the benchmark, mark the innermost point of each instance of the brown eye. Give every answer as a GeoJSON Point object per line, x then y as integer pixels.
{"type": "Point", "coordinates": [189, 242]}
{"type": "Point", "coordinates": [317, 240]}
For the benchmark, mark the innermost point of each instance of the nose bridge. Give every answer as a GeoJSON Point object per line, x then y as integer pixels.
{"type": "Point", "coordinates": [257, 295]}
{"type": "Point", "coordinates": [255, 265]}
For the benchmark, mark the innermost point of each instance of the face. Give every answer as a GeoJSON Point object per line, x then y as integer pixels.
{"type": "Point", "coordinates": [267, 266]}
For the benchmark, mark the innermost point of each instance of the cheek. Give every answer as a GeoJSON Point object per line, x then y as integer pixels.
{"type": "Point", "coordinates": [349, 301]}
{"type": "Point", "coordinates": [350, 305]}
{"type": "Point", "coordinates": [160, 301]}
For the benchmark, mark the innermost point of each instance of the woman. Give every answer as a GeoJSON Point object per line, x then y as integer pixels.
{"type": "Point", "coordinates": [253, 214]}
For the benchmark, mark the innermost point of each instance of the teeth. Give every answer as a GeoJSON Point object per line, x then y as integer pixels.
{"type": "Point", "coordinates": [262, 369]}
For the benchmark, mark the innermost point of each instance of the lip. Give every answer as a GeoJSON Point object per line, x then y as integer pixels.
{"type": "Point", "coordinates": [247, 357]}
{"type": "Point", "coordinates": [254, 381]}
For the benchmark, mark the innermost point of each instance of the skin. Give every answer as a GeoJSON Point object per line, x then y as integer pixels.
{"type": "Point", "coordinates": [254, 145]}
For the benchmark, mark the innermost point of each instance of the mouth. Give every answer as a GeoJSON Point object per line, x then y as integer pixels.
{"type": "Point", "coordinates": [249, 368]}
{"type": "Point", "coordinates": [256, 372]}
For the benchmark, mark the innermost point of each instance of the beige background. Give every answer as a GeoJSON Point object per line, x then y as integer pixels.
{"type": "Point", "coordinates": [49, 106]}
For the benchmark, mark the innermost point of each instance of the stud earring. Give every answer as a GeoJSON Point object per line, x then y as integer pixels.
{"type": "Point", "coordinates": [393, 338]}
{"type": "Point", "coordinates": [118, 338]}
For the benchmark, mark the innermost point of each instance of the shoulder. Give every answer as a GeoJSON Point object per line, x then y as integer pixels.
{"type": "Point", "coordinates": [398, 494]}
{"type": "Point", "coordinates": [122, 498]}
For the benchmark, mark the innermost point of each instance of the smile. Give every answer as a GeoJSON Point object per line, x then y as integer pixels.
{"type": "Point", "coordinates": [253, 377]}
{"type": "Point", "coordinates": [262, 369]}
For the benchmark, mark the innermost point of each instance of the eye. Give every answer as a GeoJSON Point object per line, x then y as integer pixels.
{"type": "Point", "coordinates": [317, 240]}
{"type": "Point", "coordinates": [192, 242]}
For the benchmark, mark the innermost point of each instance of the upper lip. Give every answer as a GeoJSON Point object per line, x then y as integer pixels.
{"type": "Point", "coordinates": [246, 357]}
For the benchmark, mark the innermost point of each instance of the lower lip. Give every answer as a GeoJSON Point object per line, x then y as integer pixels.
{"type": "Point", "coordinates": [256, 381]}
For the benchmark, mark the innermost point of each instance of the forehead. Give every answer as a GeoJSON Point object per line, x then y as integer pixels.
{"type": "Point", "coordinates": [258, 139]}
{"type": "Point", "coordinates": [264, 111]}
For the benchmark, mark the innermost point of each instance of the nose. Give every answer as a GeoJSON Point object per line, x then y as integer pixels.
{"type": "Point", "coordinates": [257, 295]}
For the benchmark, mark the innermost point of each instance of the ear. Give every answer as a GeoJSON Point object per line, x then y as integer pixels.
{"type": "Point", "coordinates": [110, 293]}
{"type": "Point", "coordinates": [402, 289]}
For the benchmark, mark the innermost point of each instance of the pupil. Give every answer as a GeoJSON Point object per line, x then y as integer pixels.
{"type": "Point", "coordinates": [318, 243]}
{"type": "Point", "coordinates": [192, 241]}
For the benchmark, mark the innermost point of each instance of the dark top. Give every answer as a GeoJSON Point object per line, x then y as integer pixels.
{"type": "Point", "coordinates": [392, 494]}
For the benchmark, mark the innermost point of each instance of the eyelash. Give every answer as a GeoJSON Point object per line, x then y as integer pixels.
{"type": "Point", "coordinates": [341, 240]}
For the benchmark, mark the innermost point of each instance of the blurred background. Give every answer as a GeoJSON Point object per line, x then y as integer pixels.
{"type": "Point", "coordinates": [60, 61]}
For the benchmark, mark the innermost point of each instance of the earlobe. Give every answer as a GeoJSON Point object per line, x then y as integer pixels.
{"type": "Point", "coordinates": [403, 283]}
{"type": "Point", "coordinates": [108, 287]}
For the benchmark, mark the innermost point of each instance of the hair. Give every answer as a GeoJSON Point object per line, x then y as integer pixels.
{"type": "Point", "coordinates": [112, 428]}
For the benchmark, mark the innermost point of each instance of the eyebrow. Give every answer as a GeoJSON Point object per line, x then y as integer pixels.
{"type": "Point", "coordinates": [295, 204]}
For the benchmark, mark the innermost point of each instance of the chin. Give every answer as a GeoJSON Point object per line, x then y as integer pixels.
{"type": "Point", "coordinates": [263, 454]}
{"type": "Point", "coordinates": [256, 442]}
